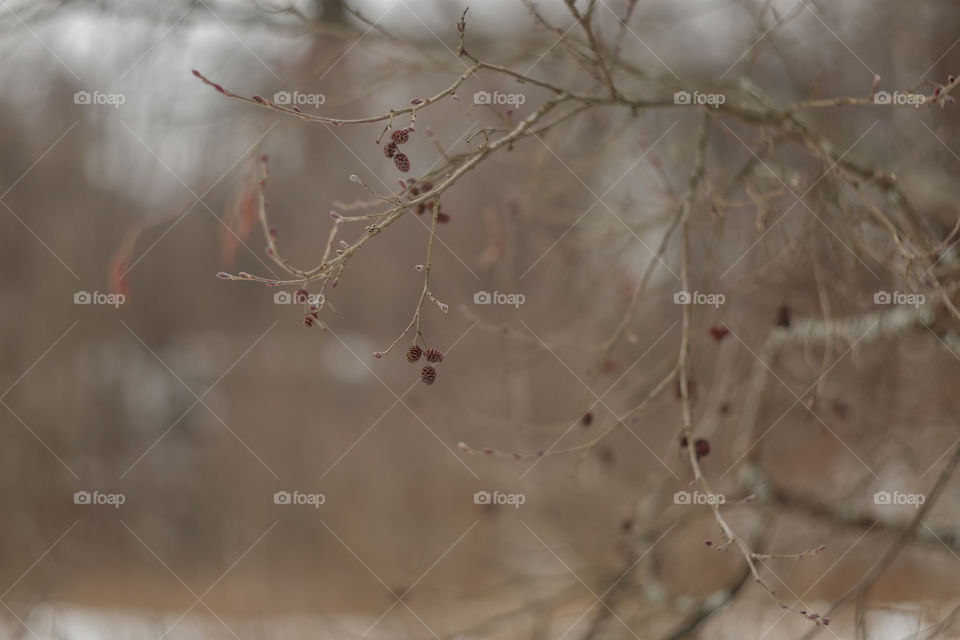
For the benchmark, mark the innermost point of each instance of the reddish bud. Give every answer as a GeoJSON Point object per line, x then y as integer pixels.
{"type": "Point", "coordinates": [718, 333]}
{"type": "Point", "coordinates": [702, 447]}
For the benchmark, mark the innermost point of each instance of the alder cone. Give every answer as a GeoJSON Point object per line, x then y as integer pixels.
{"type": "Point", "coordinates": [428, 375]}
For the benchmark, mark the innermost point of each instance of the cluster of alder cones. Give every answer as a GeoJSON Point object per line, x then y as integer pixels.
{"type": "Point", "coordinates": [392, 149]}
{"type": "Point", "coordinates": [428, 374]}
{"type": "Point", "coordinates": [414, 189]}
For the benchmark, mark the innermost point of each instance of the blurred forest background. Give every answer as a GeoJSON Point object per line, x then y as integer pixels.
{"type": "Point", "coordinates": [198, 399]}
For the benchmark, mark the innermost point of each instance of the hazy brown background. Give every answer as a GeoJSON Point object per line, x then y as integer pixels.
{"type": "Point", "coordinates": [92, 388]}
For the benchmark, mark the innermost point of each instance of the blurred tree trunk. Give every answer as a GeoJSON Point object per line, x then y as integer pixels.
{"type": "Point", "coordinates": [331, 11]}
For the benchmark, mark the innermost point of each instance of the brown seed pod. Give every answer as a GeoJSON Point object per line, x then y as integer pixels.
{"type": "Point", "coordinates": [434, 355]}
{"type": "Point", "coordinates": [428, 374]}
{"type": "Point", "coordinates": [402, 162]}
{"type": "Point", "coordinates": [390, 149]}
{"type": "Point", "coordinates": [414, 353]}
{"type": "Point", "coordinates": [301, 296]}
{"type": "Point", "coordinates": [400, 136]}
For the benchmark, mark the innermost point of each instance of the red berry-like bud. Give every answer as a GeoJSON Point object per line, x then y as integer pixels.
{"type": "Point", "coordinates": [402, 162]}
{"type": "Point", "coordinates": [390, 149]}
{"type": "Point", "coordinates": [702, 447]}
{"type": "Point", "coordinates": [587, 419]}
{"type": "Point", "coordinates": [443, 218]}
{"type": "Point", "coordinates": [400, 136]}
{"type": "Point", "coordinates": [434, 355]}
{"type": "Point", "coordinates": [718, 333]}
{"type": "Point", "coordinates": [301, 296]}
{"type": "Point", "coordinates": [309, 320]}
{"type": "Point", "coordinates": [414, 353]}
{"type": "Point", "coordinates": [421, 208]}
{"type": "Point", "coordinates": [428, 375]}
